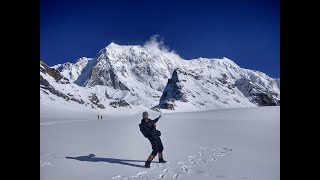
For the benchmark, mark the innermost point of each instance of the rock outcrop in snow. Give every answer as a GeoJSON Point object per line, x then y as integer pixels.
{"type": "Point", "coordinates": [119, 103]}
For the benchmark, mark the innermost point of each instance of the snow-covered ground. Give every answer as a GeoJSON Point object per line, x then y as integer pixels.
{"type": "Point", "coordinates": [223, 144]}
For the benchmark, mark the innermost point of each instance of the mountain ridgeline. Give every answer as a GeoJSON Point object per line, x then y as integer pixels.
{"type": "Point", "coordinates": [122, 76]}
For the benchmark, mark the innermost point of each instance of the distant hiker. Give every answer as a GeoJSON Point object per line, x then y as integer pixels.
{"type": "Point", "coordinates": [98, 116]}
{"type": "Point", "coordinates": [101, 116]}
{"type": "Point", "coordinates": [148, 129]}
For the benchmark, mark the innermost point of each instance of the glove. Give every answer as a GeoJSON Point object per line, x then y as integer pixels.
{"type": "Point", "coordinates": [158, 133]}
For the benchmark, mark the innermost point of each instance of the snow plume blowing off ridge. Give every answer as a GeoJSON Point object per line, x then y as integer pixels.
{"type": "Point", "coordinates": [156, 46]}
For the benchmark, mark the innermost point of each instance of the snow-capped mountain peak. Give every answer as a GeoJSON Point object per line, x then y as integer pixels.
{"type": "Point", "coordinates": [152, 75]}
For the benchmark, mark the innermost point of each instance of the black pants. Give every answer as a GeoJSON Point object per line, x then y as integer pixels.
{"type": "Point", "coordinates": [156, 144]}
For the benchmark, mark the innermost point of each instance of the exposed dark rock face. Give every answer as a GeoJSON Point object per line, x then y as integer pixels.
{"type": "Point", "coordinates": [119, 103]}
{"type": "Point", "coordinates": [94, 99]}
{"type": "Point", "coordinates": [257, 94]}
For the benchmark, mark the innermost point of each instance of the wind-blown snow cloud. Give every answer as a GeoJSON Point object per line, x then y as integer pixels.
{"type": "Point", "coordinates": [156, 46]}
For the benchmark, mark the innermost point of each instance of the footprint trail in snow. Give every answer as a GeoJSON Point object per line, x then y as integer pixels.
{"type": "Point", "coordinates": [179, 169]}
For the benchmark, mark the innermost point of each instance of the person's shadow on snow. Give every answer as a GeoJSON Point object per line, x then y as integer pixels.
{"type": "Point", "coordinates": [93, 158]}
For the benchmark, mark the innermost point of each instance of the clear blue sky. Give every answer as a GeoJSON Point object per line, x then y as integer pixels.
{"type": "Point", "coordinates": [248, 32]}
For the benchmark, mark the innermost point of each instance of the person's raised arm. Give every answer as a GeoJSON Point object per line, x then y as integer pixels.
{"type": "Point", "coordinates": [156, 119]}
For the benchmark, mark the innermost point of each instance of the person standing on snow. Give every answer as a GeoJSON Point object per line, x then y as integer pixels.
{"type": "Point", "coordinates": [98, 116]}
{"type": "Point", "coordinates": [148, 129]}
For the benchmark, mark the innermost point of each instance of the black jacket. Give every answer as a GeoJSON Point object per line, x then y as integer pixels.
{"type": "Point", "coordinates": [148, 128]}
